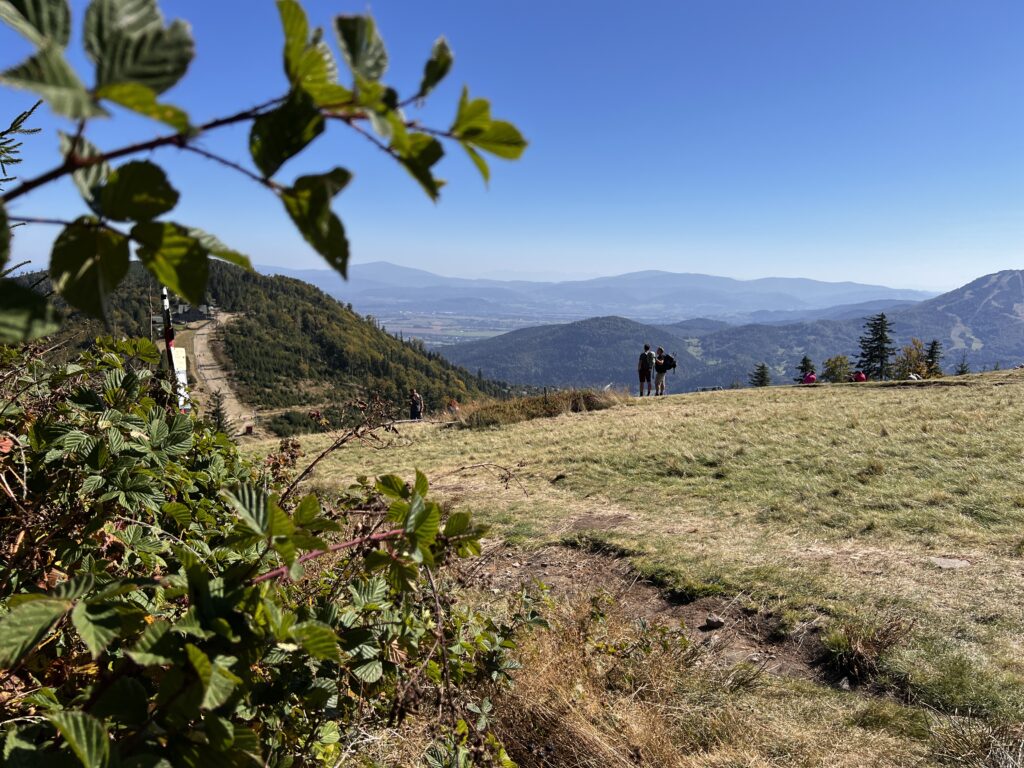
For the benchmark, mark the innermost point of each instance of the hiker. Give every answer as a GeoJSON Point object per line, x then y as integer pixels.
{"type": "Point", "coordinates": [644, 369]}
{"type": "Point", "coordinates": [810, 377]}
{"type": "Point", "coordinates": [859, 376]}
{"type": "Point", "coordinates": [415, 405]}
{"type": "Point", "coordinates": [660, 369]}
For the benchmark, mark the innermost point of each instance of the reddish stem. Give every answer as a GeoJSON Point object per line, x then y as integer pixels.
{"type": "Point", "coordinates": [277, 573]}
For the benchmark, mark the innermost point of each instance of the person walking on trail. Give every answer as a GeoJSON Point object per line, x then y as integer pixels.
{"type": "Point", "coordinates": [644, 369]}
{"type": "Point", "coordinates": [660, 369]}
{"type": "Point", "coordinates": [415, 405]}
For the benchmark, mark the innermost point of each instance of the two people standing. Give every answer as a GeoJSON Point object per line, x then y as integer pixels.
{"type": "Point", "coordinates": [659, 363]}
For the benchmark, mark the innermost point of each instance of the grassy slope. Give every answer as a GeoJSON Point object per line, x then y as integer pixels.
{"type": "Point", "coordinates": [827, 502]}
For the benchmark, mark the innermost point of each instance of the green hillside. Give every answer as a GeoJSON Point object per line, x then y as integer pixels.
{"type": "Point", "coordinates": [291, 345]}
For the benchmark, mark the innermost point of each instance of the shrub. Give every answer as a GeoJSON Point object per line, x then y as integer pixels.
{"type": "Point", "coordinates": [496, 413]}
{"type": "Point", "coordinates": [164, 599]}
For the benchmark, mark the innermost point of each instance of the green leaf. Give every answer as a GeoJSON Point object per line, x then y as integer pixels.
{"type": "Point", "coordinates": [260, 512]}
{"type": "Point", "coordinates": [174, 257]}
{"type": "Point", "coordinates": [437, 66]}
{"type": "Point", "coordinates": [309, 65]}
{"type": "Point", "coordinates": [137, 191]}
{"type": "Point", "coordinates": [152, 648]}
{"type": "Point", "coordinates": [499, 138]}
{"type": "Point", "coordinates": [308, 510]}
{"type": "Point", "coordinates": [90, 178]}
{"type": "Point", "coordinates": [391, 486]}
{"type": "Point", "coordinates": [26, 625]}
{"type": "Point", "coordinates": [369, 672]}
{"type": "Point", "coordinates": [39, 20]}
{"type": "Point", "coordinates": [24, 314]}
{"type": "Point", "coordinates": [281, 134]}
{"type": "Point", "coordinates": [478, 161]}
{"type": "Point", "coordinates": [422, 486]}
{"type": "Point", "coordinates": [472, 114]}
{"type": "Point", "coordinates": [126, 701]}
{"type": "Point", "coordinates": [424, 521]}
{"type": "Point", "coordinates": [217, 681]}
{"type": "Point", "coordinates": [361, 45]}
{"type": "Point", "coordinates": [216, 248]}
{"type": "Point", "coordinates": [97, 625]}
{"type": "Point", "coordinates": [87, 263]}
{"type": "Point", "coordinates": [420, 155]}
{"type": "Point", "coordinates": [129, 43]}
{"type": "Point", "coordinates": [317, 639]}
{"type": "Point", "coordinates": [85, 735]}
{"type": "Point", "coordinates": [48, 74]}
{"type": "Point", "coordinates": [178, 512]}
{"type": "Point", "coordinates": [457, 524]}
{"type": "Point", "coordinates": [220, 732]}
{"type": "Point", "coordinates": [308, 203]}
{"type": "Point", "coordinates": [142, 100]}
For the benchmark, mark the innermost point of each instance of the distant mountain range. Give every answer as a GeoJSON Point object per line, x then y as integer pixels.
{"type": "Point", "coordinates": [983, 320]}
{"type": "Point", "coordinates": [384, 289]}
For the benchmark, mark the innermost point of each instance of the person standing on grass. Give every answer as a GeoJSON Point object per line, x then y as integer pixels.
{"type": "Point", "coordinates": [415, 405]}
{"type": "Point", "coordinates": [644, 369]}
{"type": "Point", "coordinates": [660, 369]}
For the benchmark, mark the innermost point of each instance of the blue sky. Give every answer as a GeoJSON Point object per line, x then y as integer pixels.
{"type": "Point", "coordinates": [878, 141]}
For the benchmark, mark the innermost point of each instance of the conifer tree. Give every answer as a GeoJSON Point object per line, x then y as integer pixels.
{"type": "Point", "coordinates": [761, 376]}
{"type": "Point", "coordinates": [876, 348]}
{"type": "Point", "coordinates": [963, 366]}
{"type": "Point", "coordinates": [217, 414]}
{"type": "Point", "coordinates": [933, 359]}
{"type": "Point", "coordinates": [806, 366]}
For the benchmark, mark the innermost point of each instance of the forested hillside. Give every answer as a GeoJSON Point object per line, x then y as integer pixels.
{"type": "Point", "coordinates": [290, 344]}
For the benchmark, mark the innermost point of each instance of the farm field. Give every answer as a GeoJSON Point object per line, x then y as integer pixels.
{"type": "Point", "coordinates": [862, 545]}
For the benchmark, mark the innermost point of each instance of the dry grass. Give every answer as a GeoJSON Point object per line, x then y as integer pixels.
{"type": "Point", "coordinates": [498, 413]}
{"type": "Point", "coordinates": [828, 503]}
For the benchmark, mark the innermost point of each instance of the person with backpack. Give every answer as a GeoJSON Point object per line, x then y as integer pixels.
{"type": "Point", "coordinates": [663, 363]}
{"type": "Point", "coordinates": [415, 405]}
{"type": "Point", "coordinates": [644, 369]}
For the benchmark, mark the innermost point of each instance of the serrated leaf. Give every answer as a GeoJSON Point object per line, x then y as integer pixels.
{"type": "Point", "coordinates": [391, 486]}
{"type": "Point", "coordinates": [152, 648]}
{"type": "Point", "coordinates": [142, 100]}
{"type": "Point", "coordinates": [471, 114]}
{"type": "Point", "coordinates": [308, 204]}
{"type": "Point", "coordinates": [85, 735]}
{"type": "Point", "coordinates": [129, 43]}
{"type": "Point", "coordinates": [24, 314]}
{"type": "Point", "coordinates": [174, 257]}
{"type": "Point", "coordinates": [478, 161]}
{"type": "Point", "coordinates": [178, 512]}
{"type": "Point", "coordinates": [220, 732]}
{"type": "Point", "coordinates": [137, 191]}
{"type": "Point", "coordinates": [457, 524]}
{"type": "Point", "coordinates": [87, 263]}
{"type": "Point", "coordinates": [309, 65]}
{"type": "Point", "coordinates": [361, 45]}
{"type": "Point", "coordinates": [216, 248]}
{"type": "Point", "coordinates": [39, 20]}
{"type": "Point", "coordinates": [26, 625]}
{"type": "Point", "coordinates": [308, 510]}
{"type": "Point", "coordinates": [317, 639]}
{"type": "Point", "coordinates": [125, 701]}
{"type": "Point", "coordinates": [422, 486]}
{"type": "Point", "coordinates": [90, 178]}
{"type": "Point", "coordinates": [284, 132]}
{"type": "Point", "coordinates": [369, 672]}
{"type": "Point", "coordinates": [48, 74]}
{"type": "Point", "coordinates": [217, 681]}
{"type": "Point", "coordinates": [421, 153]}
{"type": "Point", "coordinates": [500, 138]}
{"type": "Point", "coordinates": [437, 66]}
{"type": "Point", "coordinates": [97, 625]}
{"type": "Point", "coordinates": [93, 483]}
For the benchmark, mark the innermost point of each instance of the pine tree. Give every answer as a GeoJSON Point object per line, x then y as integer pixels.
{"type": "Point", "coordinates": [761, 376]}
{"type": "Point", "coordinates": [217, 414]}
{"type": "Point", "coordinates": [876, 348]}
{"type": "Point", "coordinates": [933, 359]}
{"type": "Point", "coordinates": [806, 366]}
{"type": "Point", "coordinates": [963, 366]}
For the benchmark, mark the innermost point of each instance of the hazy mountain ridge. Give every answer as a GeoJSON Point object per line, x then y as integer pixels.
{"type": "Point", "coordinates": [984, 319]}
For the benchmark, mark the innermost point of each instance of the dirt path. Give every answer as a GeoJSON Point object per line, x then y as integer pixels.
{"type": "Point", "coordinates": [214, 377]}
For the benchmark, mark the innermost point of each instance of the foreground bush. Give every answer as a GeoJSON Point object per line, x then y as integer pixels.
{"type": "Point", "coordinates": [168, 603]}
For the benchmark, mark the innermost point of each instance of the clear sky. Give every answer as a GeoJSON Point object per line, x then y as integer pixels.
{"type": "Point", "coordinates": [872, 140]}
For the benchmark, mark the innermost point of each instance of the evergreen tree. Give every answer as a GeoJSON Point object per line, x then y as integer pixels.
{"type": "Point", "coordinates": [933, 359]}
{"type": "Point", "coordinates": [837, 369]}
{"type": "Point", "coordinates": [876, 348]}
{"type": "Point", "coordinates": [963, 366]}
{"type": "Point", "coordinates": [217, 414]}
{"type": "Point", "coordinates": [761, 376]}
{"type": "Point", "coordinates": [806, 366]}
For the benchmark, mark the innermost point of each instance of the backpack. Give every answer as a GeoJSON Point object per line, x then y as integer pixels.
{"type": "Point", "coordinates": [670, 362]}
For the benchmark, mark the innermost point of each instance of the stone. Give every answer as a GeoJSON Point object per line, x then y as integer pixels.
{"type": "Point", "coordinates": [949, 563]}
{"type": "Point", "coordinates": [845, 683]}
{"type": "Point", "coordinates": [713, 621]}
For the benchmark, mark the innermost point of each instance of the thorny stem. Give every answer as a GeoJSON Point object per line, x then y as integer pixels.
{"type": "Point", "coordinates": [277, 573]}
